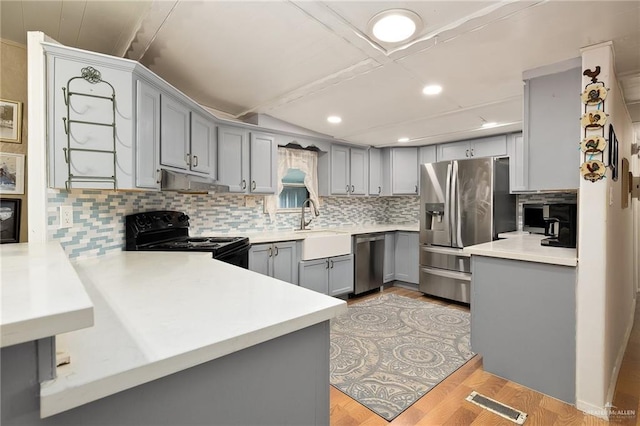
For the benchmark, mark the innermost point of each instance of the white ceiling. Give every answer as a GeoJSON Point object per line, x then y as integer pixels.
{"type": "Point", "coordinates": [300, 61]}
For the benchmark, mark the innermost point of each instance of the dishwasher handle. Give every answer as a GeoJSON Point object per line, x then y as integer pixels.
{"type": "Point", "coordinates": [365, 238]}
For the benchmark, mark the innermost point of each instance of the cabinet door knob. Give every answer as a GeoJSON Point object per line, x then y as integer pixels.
{"type": "Point", "coordinates": [270, 251]}
{"type": "Point", "coordinates": [253, 186]}
{"type": "Point", "coordinates": [347, 188]}
{"type": "Point", "coordinates": [466, 153]}
{"type": "Point", "coordinates": [416, 189]}
{"type": "Point", "coordinates": [158, 176]}
{"type": "Point", "coordinates": [353, 189]}
{"type": "Point", "coordinates": [244, 184]}
{"type": "Point", "coordinates": [276, 251]}
{"type": "Point", "coordinates": [379, 189]}
{"type": "Point", "coordinates": [472, 152]}
{"type": "Point", "coordinates": [327, 261]}
{"type": "Point", "coordinates": [331, 261]}
{"type": "Point", "coordinates": [187, 159]}
{"type": "Point", "coordinates": [195, 161]}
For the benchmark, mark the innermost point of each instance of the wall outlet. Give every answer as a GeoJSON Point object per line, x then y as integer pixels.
{"type": "Point", "coordinates": [66, 217]}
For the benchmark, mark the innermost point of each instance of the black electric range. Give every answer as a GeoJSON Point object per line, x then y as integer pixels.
{"type": "Point", "coordinates": [166, 230]}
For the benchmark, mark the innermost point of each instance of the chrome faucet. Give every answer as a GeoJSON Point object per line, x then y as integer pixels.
{"type": "Point", "coordinates": [303, 223]}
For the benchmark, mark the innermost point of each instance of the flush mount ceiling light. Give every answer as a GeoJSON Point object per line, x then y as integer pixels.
{"type": "Point", "coordinates": [403, 140]}
{"type": "Point", "coordinates": [334, 119]}
{"type": "Point", "coordinates": [432, 89]}
{"type": "Point", "coordinates": [489, 125]}
{"type": "Point", "coordinates": [394, 25]}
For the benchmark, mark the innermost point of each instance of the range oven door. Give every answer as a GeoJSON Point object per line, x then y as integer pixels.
{"type": "Point", "coordinates": [238, 257]}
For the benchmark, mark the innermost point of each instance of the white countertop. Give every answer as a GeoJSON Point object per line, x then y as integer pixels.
{"type": "Point", "coordinates": [158, 313]}
{"type": "Point", "coordinates": [527, 248]}
{"type": "Point", "coordinates": [42, 295]}
{"type": "Point", "coordinates": [291, 235]}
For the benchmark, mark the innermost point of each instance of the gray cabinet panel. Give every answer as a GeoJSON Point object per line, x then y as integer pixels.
{"type": "Point", "coordinates": [523, 323]}
{"type": "Point", "coordinates": [314, 275]}
{"type": "Point", "coordinates": [518, 167]}
{"type": "Point", "coordinates": [147, 135]}
{"type": "Point", "coordinates": [406, 257]}
{"type": "Point", "coordinates": [339, 170]}
{"type": "Point", "coordinates": [492, 146]}
{"type": "Point", "coordinates": [358, 171]}
{"type": "Point", "coordinates": [453, 151]}
{"type": "Point", "coordinates": [404, 166]}
{"type": "Point", "coordinates": [340, 275]}
{"type": "Point", "coordinates": [375, 171]}
{"type": "Point", "coordinates": [233, 146]}
{"type": "Point", "coordinates": [427, 154]}
{"type": "Point", "coordinates": [174, 133]}
{"type": "Point", "coordinates": [552, 130]}
{"type": "Point", "coordinates": [277, 260]}
{"type": "Point", "coordinates": [285, 262]}
{"type": "Point", "coordinates": [389, 267]}
{"type": "Point", "coordinates": [203, 145]}
{"type": "Point", "coordinates": [260, 259]}
{"type": "Point", "coordinates": [264, 163]}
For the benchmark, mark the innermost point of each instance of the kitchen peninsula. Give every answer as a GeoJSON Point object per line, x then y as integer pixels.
{"type": "Point", "coordinates": [179, 338]}
{"type": "Point", "coordinates": [523, 312]}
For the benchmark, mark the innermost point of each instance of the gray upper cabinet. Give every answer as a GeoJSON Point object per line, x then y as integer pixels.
{"type": "Point", "coordinates": [263, 169]}
{"type": "Point", "coordinates": [404, 165]}
{"type": "Point", "coordinates": [83, 152]}
{"type": "Point", "coordinates": [233, 149]}
{"type": "Point", "coordinates": [174, 133]}
{"type": "Point", "coordinates": [147, 135]}
{"type": "Point", "coordinates": [204, 147]}
{"type": "Point", "coordinates": [493, 146]}
{"type": "Point", "coordinates": [375, 171]}
{"type": "Point", "coordinates": [518, 167]}
{"type": "Point", "coordinates": [340, 170]}
{"type": "Point", "coordinates": [347, 171]}
{"type": "Point", "coordinates": [552, 130]}
{"type": "Point", "coordinates": [427, 154]}
{"type": "Point", "coordinates": [247, 162]}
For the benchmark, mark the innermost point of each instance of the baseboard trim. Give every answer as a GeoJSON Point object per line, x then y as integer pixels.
{"type": "Point", "coordinates": [619, 358]}
{"type": "Point", "coordinates": [408, 286]}
{"type": "Point", "coordinates": [593, 410]}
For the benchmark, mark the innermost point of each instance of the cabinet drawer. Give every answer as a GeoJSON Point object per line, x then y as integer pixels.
{"type": "Point", "coordinates": [445, 258]}
{"type": "Point", "coordinates": [446, 284]}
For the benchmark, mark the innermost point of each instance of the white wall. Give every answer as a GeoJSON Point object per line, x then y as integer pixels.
{"type": "Point", "coordinates": [605, 290]}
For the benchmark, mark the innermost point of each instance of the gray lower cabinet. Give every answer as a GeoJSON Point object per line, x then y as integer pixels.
{"type": "Point", "coordinates": [406, 257]}
{"type": "Point", "coordinates": [332, 276]}
{"type": "Point", "coordinates": [389, 267]}
{"type": "Point", "coordinates": [523, 323]}
{"type": "Point", "coordinates": [277, 260]}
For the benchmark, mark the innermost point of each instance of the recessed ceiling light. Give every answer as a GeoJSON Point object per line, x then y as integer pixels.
{"type": "Point", "coordinates": [334, 119]}
{"type": "Point", "coordinates": [394, 25]}
{"type": "Point", "coordinates": [489, 125]}
{"type": "Point", "coordinates": [432, 89]}
{"type": "Point", "coordinates": [403, 140]}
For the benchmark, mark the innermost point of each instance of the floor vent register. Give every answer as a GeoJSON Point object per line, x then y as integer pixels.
{"type": "Point", "coordinates": [498, 408]}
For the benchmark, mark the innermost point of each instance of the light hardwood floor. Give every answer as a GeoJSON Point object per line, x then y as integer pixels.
{"type": "Point", "coordinates": [445, 404]}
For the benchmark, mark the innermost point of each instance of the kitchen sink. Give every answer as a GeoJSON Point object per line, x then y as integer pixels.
{"type": "Point", "coordinates": [321, 243]}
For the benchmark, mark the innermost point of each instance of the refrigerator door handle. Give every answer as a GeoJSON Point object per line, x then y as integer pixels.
{"type": "Point", "coordinates": [447, 202]}
{"type": "Point", "coordinates": [456, 239]}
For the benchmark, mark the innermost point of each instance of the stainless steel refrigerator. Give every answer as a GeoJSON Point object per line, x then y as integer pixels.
{"type": "Point", "coordinates": [462, 203]}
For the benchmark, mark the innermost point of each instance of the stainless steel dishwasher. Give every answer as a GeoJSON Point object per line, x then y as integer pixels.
{"type": "Point", "coordinates": [369, 261]}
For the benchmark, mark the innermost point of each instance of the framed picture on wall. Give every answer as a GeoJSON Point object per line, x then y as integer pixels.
{"type": "Point", "coordinates": [10, 121]}
{"type": "Point", "coordinates": [11, 173]}
{"type": "Point", "coordinates": [9, 220]}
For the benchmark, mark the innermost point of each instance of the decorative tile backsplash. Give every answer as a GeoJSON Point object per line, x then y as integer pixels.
{"type": "Point", "coordinates": [98, 216]}
{"type": "Point", "coordinates": [544, 198]}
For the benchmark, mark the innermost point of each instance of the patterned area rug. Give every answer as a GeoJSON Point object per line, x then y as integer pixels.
{"type": "Point", "coordinates": [389, 351]}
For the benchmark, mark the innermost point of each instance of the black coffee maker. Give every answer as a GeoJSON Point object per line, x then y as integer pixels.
{"type": "Point", "coordinates": [561, 225]}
